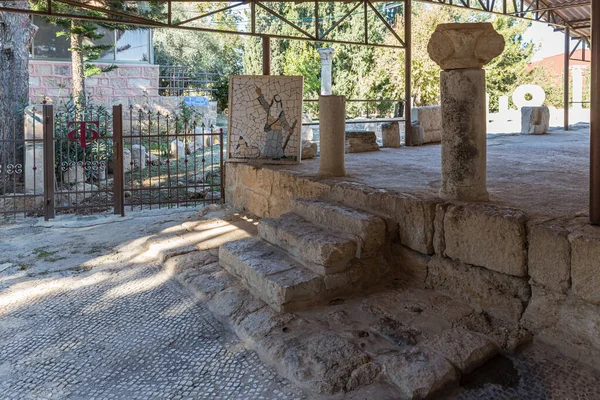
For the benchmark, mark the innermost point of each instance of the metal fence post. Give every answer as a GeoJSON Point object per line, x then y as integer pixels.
{"type": "Point", "coordinates": [49, 177]}
{"type": "Point", "coordinates": [221, 169]}
{"type": "Point", "coordinates": [118, 175]}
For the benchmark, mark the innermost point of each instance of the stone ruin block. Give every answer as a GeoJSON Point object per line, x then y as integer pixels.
{"type": "Point", "coordinates": [488, 236]}
{"type": "Point", "coordinates": [535, 120]}
{"type": "Point", "coordinates": [391, 134]}
{"type": "Point", "coordinates": [430, 119]}
{"type": "Point", "coordinates": [361, 142]}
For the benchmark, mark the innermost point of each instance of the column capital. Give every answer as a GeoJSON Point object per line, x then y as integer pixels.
{"type": "Point", "coordinates": [465, 46]}
{"type": "Point", "coordinates": [326, 54]}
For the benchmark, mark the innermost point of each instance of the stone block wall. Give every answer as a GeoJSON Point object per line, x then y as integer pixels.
{"type": "Point", "coordinates": [543, 276]}
{"type": "Point", "coordinates": [129, 81]}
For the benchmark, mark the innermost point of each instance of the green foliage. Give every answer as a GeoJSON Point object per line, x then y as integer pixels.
{"type": "Point", "coordinates": [201, 52]}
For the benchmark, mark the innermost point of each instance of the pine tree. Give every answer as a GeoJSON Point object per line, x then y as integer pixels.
{"type": "Point", "coordinates": [83, 33]}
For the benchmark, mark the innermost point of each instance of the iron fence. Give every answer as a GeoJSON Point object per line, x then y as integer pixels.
{"type": "Point", "coordinates": [170, 160]}
{"type": "Point", "coordinates": [21, 164]}
{"type": "Point", "coordinates": [183, 81]}
{"type": "Point", "coordinates": [93, 160]}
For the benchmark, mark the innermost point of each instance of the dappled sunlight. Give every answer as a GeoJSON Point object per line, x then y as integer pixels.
{"type": "Point", "coordinates": [136, 286]}
{"type": "Point", "coordinates": [24, 293]}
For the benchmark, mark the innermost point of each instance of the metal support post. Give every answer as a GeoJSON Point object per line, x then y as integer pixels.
{"type": "Point", "coordinates": [266, 53]}
{"type": "Point", "coordinates": [566, 77]}
{"type": "Point", "coordinates": [407, 71]}
{"type": "Point", "coordinates": [48, 140]}
{"type": "Point", "coordinates": [118, 167]}
{"type": "Point", "coordinates": [595, 118]}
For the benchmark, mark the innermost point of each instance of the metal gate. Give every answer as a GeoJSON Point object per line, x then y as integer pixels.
{"type": "Point", "coordinates": [92, 160]}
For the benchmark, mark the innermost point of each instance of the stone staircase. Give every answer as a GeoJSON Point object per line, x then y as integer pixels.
{"type": "Point", "coordinates": [310, 256]}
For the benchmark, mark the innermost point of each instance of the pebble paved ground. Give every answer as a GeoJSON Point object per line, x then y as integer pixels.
{"type": "Point", "coordinates": [122, 331]}
{"type": "Point", "coordinates": [91, 322]}
{"type": "Point", "coordinates": [126, 334]}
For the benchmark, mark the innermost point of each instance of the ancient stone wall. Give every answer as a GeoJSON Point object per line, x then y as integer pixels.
{"type": "Point", "coordinates": [543, 276]}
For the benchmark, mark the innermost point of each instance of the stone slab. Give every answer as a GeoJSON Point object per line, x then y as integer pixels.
{"type": "Point", "coordinates": [465, 349]}
{"type": "Point", "coordinates": [500, 295]}
{"type": "Point", "coordinates": [321, 250]}
{"type": "Point", "coordinates": [585, 263]}
{"type": "Point", "coordinates": [487, 236]}
{"type": "Point", "coordinates": [370, 228]}
{"type": "Point", "coordinates": [270, 275]}
{"type": "Point", "coordinates": [549, 256]}
{"type": "Point", "coordinates": [418, 374]}
{"type": "Point", "coordinates": [361, 142]}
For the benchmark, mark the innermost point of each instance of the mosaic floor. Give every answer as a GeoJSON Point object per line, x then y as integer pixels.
{"type": "Point", "coordinates": [128, 334]}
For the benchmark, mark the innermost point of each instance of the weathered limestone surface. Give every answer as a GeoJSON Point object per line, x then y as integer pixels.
{"type": "Point", "coordinates": [323, 251]}
{"type": "Point", "coordinates": [370, 228]}
{"type": "Point", "coordinates": [417, 133]}
{"type": "Point", "coordinates": [323, 358]}
{"type": "Point", "coordinates": [332, 126]}
{"type": "Point", "coordinates": [268, 274]}
{"type": "Point", "coordinates": [565, 321]}
{"type": "Point", "coordinates": [535, 120]}
{"type": "Point", "coordinates": [361, 142]}
{"type": "Point", "coordinates": [585, 263]}
{"type": "Point", "coordinates": [138, 156]}
{"type": "Point", "coordinates": [488, 236]}
{"type": "Point", "coordinates": [550, 256]}
{"type": "Point", "coordinates": [500, 295]}
{"type": "Point", "coordinates": [430, 118]}
{"type": "Point", "coordinates": [415, 219]}
{"type": "Point", "coordinates": [309, 150]}
{"type": "Point", "coordinates": [469, 46]}
{"type": "Point", "coordinates": [419, 373]}
{"type": "Point", "coordinates": [391, 134]}
{"type": "Point", "coordinates": [464, 138]}
{"type": "Point", "coordinates": [411, 264]}
{"type": "Point", "coordinates": [466, 350]}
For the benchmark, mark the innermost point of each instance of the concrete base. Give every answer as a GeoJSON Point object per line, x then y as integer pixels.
{"type": "Point", "coordinates": [464, 140]}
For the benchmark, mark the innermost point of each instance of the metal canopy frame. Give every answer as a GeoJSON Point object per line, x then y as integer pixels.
{"type": "Point", "coordinates": [562, 14]}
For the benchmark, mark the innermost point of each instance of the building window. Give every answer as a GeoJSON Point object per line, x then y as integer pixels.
{"type": "Point", "coordinates": [127, 46]}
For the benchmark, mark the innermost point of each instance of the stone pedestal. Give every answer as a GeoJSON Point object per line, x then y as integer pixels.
{"type": "Point", "coordinates": [332, 126]}
{"type": "Point", "coordinates": [535, 120]}
{"type": "Point", "coordinates": [462, 50]}
{"type": "Point", "coordinates": [464, 138]}
{"type": "Point", "coordinates": [391, 134]}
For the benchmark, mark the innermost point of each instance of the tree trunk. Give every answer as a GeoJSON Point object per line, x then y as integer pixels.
{"type": "Point", "coordinates": [77, 65]}
{"type": "Point", "coordinates": [16, 31]}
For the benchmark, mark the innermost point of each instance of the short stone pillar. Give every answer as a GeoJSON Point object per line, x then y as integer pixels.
{"type": "Point", "coordinates": [391, 134]}
{"type": "Point", "coordinates": [326, 61]}
{"type": "Point", "coordinates": [462, 50]}
{"type": "Point", "coordinates": [332, 126]}
{"type": "Point", "coordinates": [535, 120]}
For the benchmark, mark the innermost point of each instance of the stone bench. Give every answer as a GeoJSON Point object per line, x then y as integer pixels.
{"type": "Point", "coordinates": [360, 142]}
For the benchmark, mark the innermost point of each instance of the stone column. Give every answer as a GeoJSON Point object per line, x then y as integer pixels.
{"type": "Point", "coordinates": [326, 58]}
{"type": "Point", "coordinates": [461, 50]}
{"type": "Point", "coordinates": [332, 126]}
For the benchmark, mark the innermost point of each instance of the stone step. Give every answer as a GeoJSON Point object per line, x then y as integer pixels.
{"type": "Point", "coordinates": [271, 275]}
{"type": "Point", "coordinates": [322, 251]}
{"type": "Point", "coordinates": [370, 228]}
